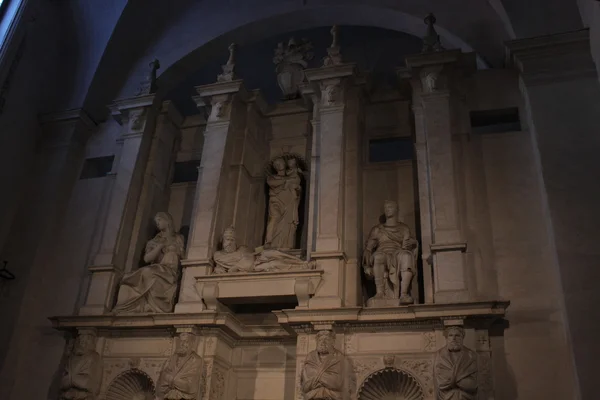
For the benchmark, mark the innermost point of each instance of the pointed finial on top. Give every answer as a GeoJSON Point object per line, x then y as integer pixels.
{"type": "Point", "coordinates": [431, 41]}
{"type": "Point", "coordinates": [228, 69]}
{"type": "Point", "coordinates": [148, 85]}
{"type": "Point", "coordinates": [334, 57]}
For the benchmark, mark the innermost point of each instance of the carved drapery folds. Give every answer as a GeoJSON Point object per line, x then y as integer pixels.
{"type": "Point", "coordinates": [455, 368]}
{"type": "Point", "coordinates": [324, 370]}
{"type": "Point", "coordinates": [180, 377]}
{"type": "Point", "coordinates": [83, 372]}
{"type": "Point", "coordinates": [233, 258]}
{"type": "Point", "coordinates": [152, 288]}
{"type": "Point", "coordinates": [390, 259]}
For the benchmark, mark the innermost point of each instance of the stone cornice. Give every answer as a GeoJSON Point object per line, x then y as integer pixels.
{"type": "Point", "coordinates": [68, 115]}
{"type": "Point", "coordinates": [546, 59]}
{"type": "Point", "coordinates": [292, 321]}
{"type": "Point", "coordinates": [429, 59]}
{"type": "Point", "coordinates": [121, 107]}
{"type": "Point", "coordinates": [333, 72]}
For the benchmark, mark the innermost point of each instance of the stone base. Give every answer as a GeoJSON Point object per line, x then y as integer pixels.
{"type": "Point", "coordinates": [382, 302]}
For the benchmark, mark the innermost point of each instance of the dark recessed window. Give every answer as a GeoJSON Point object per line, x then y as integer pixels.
{"type": "Point", "coordinates": [494, 121]}
{"type": "Point", "coordinates": [390, 149]}
{"type": "Point", "coordinates": [186, 171]}
{"type": "Point", "coordinates": [96, 167]}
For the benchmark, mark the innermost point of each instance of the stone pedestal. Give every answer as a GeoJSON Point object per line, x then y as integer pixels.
{"type": "Point", "coordinates": [137, 115]}
{"type": "Point", "coordinates": [326, 224]}
{"type": "Point", "coordinates": [226, 106]}
{"type": "Point", "coordinates": [434, 79]}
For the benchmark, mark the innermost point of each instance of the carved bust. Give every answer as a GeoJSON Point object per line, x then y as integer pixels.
{"type": "Point", "coordinates": [324, 369]}
{"type": "Point", "coordinates": [82, 375]}
{"type": "Point", "coordinates": [455, 368]}
{"type": "Point", "coordinates": [180, 376]}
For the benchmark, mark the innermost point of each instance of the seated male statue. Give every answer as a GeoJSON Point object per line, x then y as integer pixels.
{"type": "Point", "coordinates": [390, 257]}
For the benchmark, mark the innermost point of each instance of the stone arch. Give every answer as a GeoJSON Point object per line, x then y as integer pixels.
{"type": "Point", "coordinates": [131, 384]}
{"type": "Point", "coordinates": [390, 383]}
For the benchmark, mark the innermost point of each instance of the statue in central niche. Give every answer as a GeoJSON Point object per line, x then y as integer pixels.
{"type": "Point", "coordinates": [284, 180]}
{"type": "Point", "coordinates": [390, 258]}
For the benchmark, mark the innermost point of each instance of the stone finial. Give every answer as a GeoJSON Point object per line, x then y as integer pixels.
{"type": "Point", "coordinates": [431, 41]}
{"type": "Point", "coordinates": [148, 85]}
{"type": "Point", "coordinates": [334, 57]}
{"type": "Point", "coordinates": [228, 69]}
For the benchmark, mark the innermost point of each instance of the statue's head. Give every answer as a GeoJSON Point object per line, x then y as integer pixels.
{"type": "Point", "coordinates": [164, 222]}
{"type": "Point", "coordinates": [292, 163]}
{"type": "Point", "coordinates": [455, 336]}
{"type": "Point", "coordinates": [279, 164]}
{"type": "Point", "coordinates": [228, 240]}
{"type": "Point", "coordinates": [325, 342]}
{"type": "Point", "coordinates": [84, 343]}
{"type": "Point", "coordinates": [390, 208]}
{"type": "Point", "coordinates": [185, 344]}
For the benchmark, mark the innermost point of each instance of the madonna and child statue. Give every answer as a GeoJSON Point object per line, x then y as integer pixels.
{"type": "Point", "coordinates": [278, 254]}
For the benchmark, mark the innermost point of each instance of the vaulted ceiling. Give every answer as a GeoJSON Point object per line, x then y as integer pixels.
{"type": "Point", "coordinates": [187, 34]}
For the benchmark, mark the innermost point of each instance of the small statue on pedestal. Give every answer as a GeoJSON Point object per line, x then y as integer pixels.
{"type": "Point", "coordinates": [390, 258]}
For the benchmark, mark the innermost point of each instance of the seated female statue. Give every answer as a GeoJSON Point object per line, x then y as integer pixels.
{"type": "Point", "coordinates": [152, 288]}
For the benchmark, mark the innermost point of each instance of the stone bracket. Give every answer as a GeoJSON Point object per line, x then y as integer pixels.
{"type": "Point", "coordinates": [439, 247]}
{"type": "Point", "coordinates": [300, 284]}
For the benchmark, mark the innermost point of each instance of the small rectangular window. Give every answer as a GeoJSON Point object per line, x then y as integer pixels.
{"type": "Point", "coordinates": [186, 171]}
{"type": "Point", "coordinates": [96, 167]}
{"type": "Point", "coordinates": [390, 149]}
{"type": "Point", "coordinates": [495, 121]}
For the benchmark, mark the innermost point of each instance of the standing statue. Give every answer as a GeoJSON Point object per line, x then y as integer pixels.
{"type": "Point", "coordinates": [82, 375]}
{"type": "Point", "coordinates": [233, 258]}
{"type": "Point", "coordinates": [285, 192]}
{"type": "Point", "coordinates": [180, 376]}
{"type": "Point", "coordinates": [390, 257]}
{"type": "Point", "coordinates": [152, 288]}
{"type": "Point", "coordinates": [455, 368]}
{"type": "Point", "coordinates": [324, 370]}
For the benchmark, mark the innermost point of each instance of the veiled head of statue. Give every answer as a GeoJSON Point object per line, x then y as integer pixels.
{"type": "Point", "coordinates": [325, 342]}
{"type": "Point", "coordinates": [390, 208]}
{"type": "Point", "coordinates": [164, 222]}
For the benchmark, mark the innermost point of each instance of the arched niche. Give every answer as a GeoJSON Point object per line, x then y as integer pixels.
{"type": "Point", "coordinates": [390, 384]}
{"type": "Point", "coordinates": [132, 384]}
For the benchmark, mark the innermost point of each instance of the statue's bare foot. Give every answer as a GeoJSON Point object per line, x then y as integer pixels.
{"type": "Point", "coordinates": [406, 299]}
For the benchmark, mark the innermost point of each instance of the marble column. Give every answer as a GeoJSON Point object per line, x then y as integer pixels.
{"type": "Point", "coordinates": [137, 115]}
{"type": "Point", "coordinates": [327, 191]}
{"type": "Point", "coordinates": [559, 83]}
{"type": "Point", "coordinates": [227, 113]}
{"type": "Point", "coordinates": [434, 78]}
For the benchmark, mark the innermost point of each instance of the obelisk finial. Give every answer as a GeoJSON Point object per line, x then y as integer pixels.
{"type": "Point", "coordinates": [229, 68]}
{"type": "Point", "coordinates": [334, 57]}
{"type": "Point", "coordinates": [431, 41]}
{"type": "Point", "coordinates": [148, 85]}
